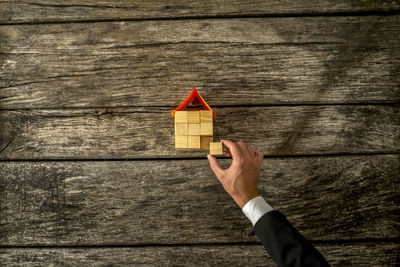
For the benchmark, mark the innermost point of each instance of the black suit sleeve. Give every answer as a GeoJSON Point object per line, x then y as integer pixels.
{"type": "Point", "coordinates": [285, 245]}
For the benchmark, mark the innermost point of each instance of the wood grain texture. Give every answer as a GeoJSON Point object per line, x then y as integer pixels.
{"type": "Point", "coordinates": [232, 62]}
{"type": "Point", "coordinates": [78, 10]}
{"type": "Point", "coordinates": [149, 132]}
{"type": "Point", "coordinates": [365, 254]}
{"type": "Point", "coordinates": [182, 202]}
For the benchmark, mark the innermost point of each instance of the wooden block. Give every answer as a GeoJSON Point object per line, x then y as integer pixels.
{"type": "Point", "coordinates": [216, 148]}
{"type": "Point", "coordinates": [205, 142]}
{"type": "Point", "coordinates": [181, 117]}
{"type": "Point", "coordinates": [194, 129]}
{"type": "Point", "coordinates": [181, 141]}
{"type": "Point", "coordinates": [206, 116]}
{"type": "Point", "coordinates": [206, 129]}
{"type": "Point", "coordinates": [181, 129]}
{"type": "Point", "coordinates": [193, 116]}
{"type": "Point", "coordinates": [194, 141]}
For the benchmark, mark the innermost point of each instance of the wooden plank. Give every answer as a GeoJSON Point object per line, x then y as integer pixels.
{"type": "Point", "coordinates": [182, 202]}
{"type": "Point", "coordinates": [149, 132]}
{"type": "Point", "coordinates": [358, 254]}
{"type": "Point", "coordinates": [79, 10]}
{"type": "Point", "coordinates": [233, 62]}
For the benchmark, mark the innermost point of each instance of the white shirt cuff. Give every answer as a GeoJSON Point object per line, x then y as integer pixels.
{"type": "Point", "coordinates": [256, 208]}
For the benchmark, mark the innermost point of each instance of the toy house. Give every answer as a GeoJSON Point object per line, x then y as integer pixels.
{"type": "Point", "coordinates": [193, 124]}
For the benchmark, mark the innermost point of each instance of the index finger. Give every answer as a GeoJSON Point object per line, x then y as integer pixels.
{"type": "Point", "coordinates": [233, 149]}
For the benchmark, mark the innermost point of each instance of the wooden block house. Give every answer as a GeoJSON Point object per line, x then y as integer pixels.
{"type": "Point", "coordinates": [193, 125]}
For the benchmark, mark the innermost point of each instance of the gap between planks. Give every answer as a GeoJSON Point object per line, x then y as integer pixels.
{"type": "Point", "coordinates": [201, 158]}
{"type": "Point", "coordinates": [330, 242]}
{"type": "Point", "coordinates": [364, 103]}
{"type": "Point", "coordinates": [261, 15]}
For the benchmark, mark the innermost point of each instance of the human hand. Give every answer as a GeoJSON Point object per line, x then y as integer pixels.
{"type": "Point", "coordinates": [241, 178]}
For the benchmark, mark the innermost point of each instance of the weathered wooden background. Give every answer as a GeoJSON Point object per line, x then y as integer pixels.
{"type": "Point", "coordinates": [88, 170]}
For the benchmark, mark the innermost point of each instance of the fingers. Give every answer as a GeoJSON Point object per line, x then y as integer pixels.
{"type": "Point", "coordinates": [234, 149]}
{"type": "Point", "coordinates": [240, 150]}
{"type": "Point", "coordinates": [251, 152]}
{"type": "Point", "coordinates": [259, 157]}
{"type": "Point", "coordinates": [244, 150]}
{"type": "Point", "coordinates": [215, 166]}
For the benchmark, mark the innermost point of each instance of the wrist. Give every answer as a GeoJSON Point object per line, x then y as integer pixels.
{"type": "Point", "coordinates": [241, 200]}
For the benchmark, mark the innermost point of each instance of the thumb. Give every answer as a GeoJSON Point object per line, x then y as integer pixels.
{"type": "Point", "coordinates": [215, 166]}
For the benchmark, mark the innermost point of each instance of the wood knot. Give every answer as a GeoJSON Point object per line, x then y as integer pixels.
{"type": "Point", "coordinates": [104, 113]}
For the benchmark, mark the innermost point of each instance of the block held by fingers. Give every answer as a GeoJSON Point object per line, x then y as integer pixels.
{"type": "Point", "coordinates": [216, 148]}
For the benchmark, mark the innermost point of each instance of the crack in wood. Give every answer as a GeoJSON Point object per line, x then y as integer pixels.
{"type": "Point", "coordinates": [7, 145]}
{"type": "Point", "coordinates": [392, 12]}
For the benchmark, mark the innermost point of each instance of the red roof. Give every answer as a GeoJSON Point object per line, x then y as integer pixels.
{"type": "Point", "coordinates": [196, 98]}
